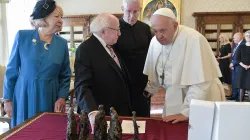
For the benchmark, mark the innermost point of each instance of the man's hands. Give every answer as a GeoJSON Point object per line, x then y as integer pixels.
{"type": "Point", "coordinates": [8, 108]}
{"type": "Point", "coordinates": [246, 67]}
{"type": "Point", "coordinates": [175, 118]}
{"type": "Point", "coordinates": [60, 105]}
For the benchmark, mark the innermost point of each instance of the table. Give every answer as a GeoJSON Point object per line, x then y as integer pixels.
{"type": "Point", "coordinates": [52, 126]}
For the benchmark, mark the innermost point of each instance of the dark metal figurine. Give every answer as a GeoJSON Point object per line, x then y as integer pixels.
{"type": "Point", "coordinates": [100, 129]}
{"type": "Point", "coordinates": [136, 130]}
{"type": "Point", "coordinates": [84, 126]}
{"type": "Point", "coordinates": [115, 129]}
{"type": "Point", "coordinates": [71, 125]}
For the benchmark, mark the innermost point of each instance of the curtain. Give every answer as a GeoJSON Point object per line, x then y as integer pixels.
{"type": "Point", "coordinates": [4, 49]}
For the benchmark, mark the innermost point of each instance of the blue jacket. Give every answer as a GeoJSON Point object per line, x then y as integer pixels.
{"type": "Point", "coordinates": [36, 77]}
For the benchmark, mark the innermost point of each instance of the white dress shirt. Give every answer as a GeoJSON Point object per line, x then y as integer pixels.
{"type": "Point", "coordinates": [104, 44]}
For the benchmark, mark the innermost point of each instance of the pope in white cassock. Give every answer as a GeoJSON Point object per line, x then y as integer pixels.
{"type": "Point", "coordinates": [181, 62]}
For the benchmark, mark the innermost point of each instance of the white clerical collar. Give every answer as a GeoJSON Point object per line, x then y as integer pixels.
{"type": "Point", "coordinates": [128, 23]}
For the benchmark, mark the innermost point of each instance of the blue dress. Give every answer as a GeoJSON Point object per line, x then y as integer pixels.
{"type": "Point", "coordinates": [35, 77]}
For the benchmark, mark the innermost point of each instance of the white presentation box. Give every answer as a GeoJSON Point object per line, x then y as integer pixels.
{"type": "Point", "coordinates": [232, 121]}
{"type": "Point", "coordinates": [201, 117]}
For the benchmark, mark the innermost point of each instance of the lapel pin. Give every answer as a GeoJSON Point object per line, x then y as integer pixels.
{"type": "Point", "coordinates": [34, 41]}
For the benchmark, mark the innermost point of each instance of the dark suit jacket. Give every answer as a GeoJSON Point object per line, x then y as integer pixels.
{"type": "Point", "coordinates": [99, 80]}
{"type": "Point", "coordinates": [236, 63]}
{"type": "Point", "coordinates": [133, 45]}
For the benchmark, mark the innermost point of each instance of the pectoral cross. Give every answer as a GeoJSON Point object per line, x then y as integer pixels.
{"type": "Point", "coordinates": [162, 78]}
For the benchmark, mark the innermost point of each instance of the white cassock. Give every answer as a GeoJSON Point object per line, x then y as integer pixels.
{"type": "Point", "coordinates": [190, 70]}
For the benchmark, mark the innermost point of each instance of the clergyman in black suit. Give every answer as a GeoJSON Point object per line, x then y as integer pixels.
{"type": "Point", "coordinates": [238, 40]}
{"type": "Point", "coordinates": [133, 45]}
{"type": "Point", "coordinates": [100, 75]}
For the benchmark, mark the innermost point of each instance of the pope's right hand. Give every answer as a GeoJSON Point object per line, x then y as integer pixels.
{"type": "Point", "coordinates": [8, 108]}
{"type": "Point", "coordinates": [92, 120]}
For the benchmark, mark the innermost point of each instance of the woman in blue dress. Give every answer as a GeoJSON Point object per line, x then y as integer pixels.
{"type": "Point", "coordinates": [38, 75]}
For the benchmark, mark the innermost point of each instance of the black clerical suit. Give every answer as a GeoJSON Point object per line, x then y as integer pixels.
{"type": "Point", "coordinates": [133, 45]}
{"type": "Point", "coordinates": [99, 80]}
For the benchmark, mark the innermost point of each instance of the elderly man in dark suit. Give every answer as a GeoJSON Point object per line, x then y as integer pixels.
{"type": "Point", "coordinates": [238, 40]}
{"type": "Point", "coordinates": [101, 77]}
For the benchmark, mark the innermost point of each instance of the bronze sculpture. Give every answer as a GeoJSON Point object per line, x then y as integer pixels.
{"type": "Point", "coordinates": [115, 129]}
{"type": "Point", "coordinates": [100, 128]}
{"type": "Point", "coordinates": [84, 126]}
{"type": "Point", "coordinates": [136, 130]}
{"type": "Point", "coordinates": [71, 125]}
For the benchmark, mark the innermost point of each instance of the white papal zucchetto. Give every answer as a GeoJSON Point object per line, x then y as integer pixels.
{"type": "Point", "coordinates": [165, 12]}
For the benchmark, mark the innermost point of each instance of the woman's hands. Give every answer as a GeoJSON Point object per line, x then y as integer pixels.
{"type": "Point", "coordinates": [8, 108]}
{"type": "Point", "coordinates": [246, 67]}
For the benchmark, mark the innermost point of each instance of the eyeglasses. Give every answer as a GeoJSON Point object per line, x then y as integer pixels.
{"type": "Point", "coordinates": [247, 35]}
{"type": "Point", "coordinates": [118, 30]}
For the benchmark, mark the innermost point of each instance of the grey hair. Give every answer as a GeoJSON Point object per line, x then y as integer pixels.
{"type": "Point", "coordinates": [41, 22]}
{"type": "Point", "coordinates": [247, 32]}
{"type": "Point", "coordinates": [125, 2]}
{"type": "Point", "coordinates": [38, 22]}
{"type": "Point", "coordinates": [101, 21]}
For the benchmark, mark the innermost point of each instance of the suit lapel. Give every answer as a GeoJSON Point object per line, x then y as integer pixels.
{"type": "Point", "coordinates": [115, 66]}
{"type": "Point", "coordinates": [237, 47]}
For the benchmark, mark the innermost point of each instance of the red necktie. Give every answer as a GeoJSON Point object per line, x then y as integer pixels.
{"type": "Point", "coordinates": [113, 55]}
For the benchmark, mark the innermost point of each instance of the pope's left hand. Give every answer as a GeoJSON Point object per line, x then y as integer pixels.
{"type": "Point", "coordinates": [175, 118]}
{"type": "Point", "coordinates": [60, 105]}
